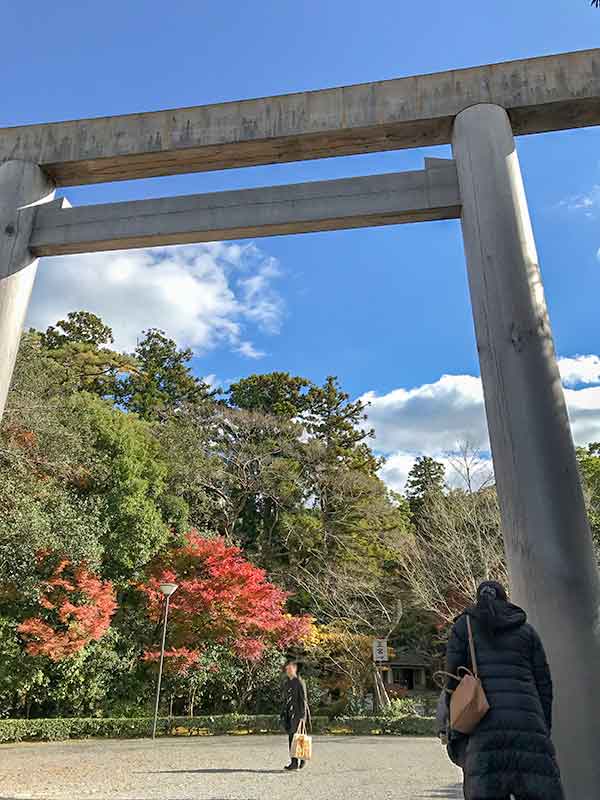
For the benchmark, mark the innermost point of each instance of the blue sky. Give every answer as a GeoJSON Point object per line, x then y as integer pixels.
{"type": "Point", "coordinates": [384, 309]}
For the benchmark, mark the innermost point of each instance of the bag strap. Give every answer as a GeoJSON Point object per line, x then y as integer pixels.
{"type": "Point", "coordinates": [458, 678]}
{"type": "Point", "coordinates": [472, 648]}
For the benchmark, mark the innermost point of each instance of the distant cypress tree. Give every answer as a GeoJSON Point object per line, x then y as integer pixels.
{"type": "Point", "coordinates": [426, 478]}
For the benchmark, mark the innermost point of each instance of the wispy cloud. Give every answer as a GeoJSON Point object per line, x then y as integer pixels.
{"type": "Point", "coordinates": [587, 203]}
{"type": "Point", "coordinates": [204, 296]}
{"type": "Point", "coordinates": [248, 350]}
{"type": "Point", "coordinates": [262, 304]}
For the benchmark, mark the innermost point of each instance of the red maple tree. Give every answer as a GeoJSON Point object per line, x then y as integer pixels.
{"type": "Point", "coordinates": [74, 608]}
{"type": "Point", "coordinates": [222, 598]}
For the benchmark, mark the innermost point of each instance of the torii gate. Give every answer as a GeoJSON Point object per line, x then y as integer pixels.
{"type": "Point", "coordinates": [478, 110]}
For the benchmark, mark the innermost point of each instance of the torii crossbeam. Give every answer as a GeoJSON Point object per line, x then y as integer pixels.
{"type": "Point", "coordinates": [478, 110]}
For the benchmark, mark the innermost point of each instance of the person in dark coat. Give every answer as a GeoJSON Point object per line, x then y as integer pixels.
{"type": "Point", "coordinates": [510, 753]}
{"type": "Point", "coordinates": [295, 707]}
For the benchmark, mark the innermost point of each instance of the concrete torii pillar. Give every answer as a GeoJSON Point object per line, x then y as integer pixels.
{"type": "Point", "coordinates": [22, 185]}
{"type": "Point", "coordinates": [548, 543]}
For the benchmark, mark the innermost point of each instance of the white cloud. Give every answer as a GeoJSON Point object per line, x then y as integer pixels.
{"type": "Point", "coordinates": [395, 470]}
{"type": "Point", "coordinates": [262, 305]}
{"type": "Point", "coordinates": [579, 369]}
{"type": "Point", "coordinates": [586, 202]}
{"type": "Point", "coordinates": [584, 412]}
{"type": "Point", "coordinates": [247, 349]}
{"type": "Point", "coordinates": [432, 419]}
{"type": "Point", "coordinates": [202, 295]}
{"type": "Point", "coordinates": [212, 381]}
{"type": "Point", "coordinates": [397, 466]}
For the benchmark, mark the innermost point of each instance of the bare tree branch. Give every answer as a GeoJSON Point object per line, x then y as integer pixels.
{"type": "Point", "coordinates": [457, 545]}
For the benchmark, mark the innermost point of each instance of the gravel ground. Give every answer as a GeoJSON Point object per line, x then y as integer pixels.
{"type": "Point", "coordinates": [227, 768]}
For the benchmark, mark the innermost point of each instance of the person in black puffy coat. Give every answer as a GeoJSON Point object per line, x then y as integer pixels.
{"type": "Point", "coordinates": [295, 707]}
{"type": "Point", "coordinates": [510, 753]}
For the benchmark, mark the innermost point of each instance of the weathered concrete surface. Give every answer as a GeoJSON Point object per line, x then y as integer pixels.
{"type": "Point", "coordinates": [21, 186]}
{"type": "Point", "coordinates": [430, 194]}
{"type": "Point", "coordinates": [228, 768]}
{"type": "Point", "coordinates": [540, 94]}
{"type": "Point", "coordinates": [548, 542]}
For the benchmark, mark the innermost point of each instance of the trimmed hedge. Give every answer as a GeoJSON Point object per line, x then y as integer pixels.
{"type": "Point", "coordinates": [378, 726]}
{"type": "Point", "coordinates": [50, 730]}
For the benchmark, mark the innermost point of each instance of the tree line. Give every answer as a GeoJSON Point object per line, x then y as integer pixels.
{"type": "Point", "coordinates": [263, 502]}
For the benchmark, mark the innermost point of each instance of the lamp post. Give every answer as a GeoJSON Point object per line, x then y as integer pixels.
{"type": "Point", "coordinates": [167, 589]}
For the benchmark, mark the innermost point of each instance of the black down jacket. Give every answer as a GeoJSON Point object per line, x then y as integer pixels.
{"type": "Point", "coordinates": [295, 704]}
{"type": "Point", "coordinates": [511, 751]}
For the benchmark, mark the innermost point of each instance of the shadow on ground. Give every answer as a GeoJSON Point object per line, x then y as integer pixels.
{"type": "Point", "coordinates": [215, 771]}
{"type": "Point", "coordinates": [454, 792]}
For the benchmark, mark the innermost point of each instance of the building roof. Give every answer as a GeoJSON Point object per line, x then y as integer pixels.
{"type": "Point", "coordinates": [409, 659]}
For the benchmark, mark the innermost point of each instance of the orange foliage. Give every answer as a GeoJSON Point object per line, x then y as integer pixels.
{"type": "Point", "coordinates": [75, 607]}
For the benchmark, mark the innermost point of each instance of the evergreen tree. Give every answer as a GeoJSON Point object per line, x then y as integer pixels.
{"type": "Point", "coordinates": [162, 379]}
{"type": "Point", "coordinates": [80, 327]}
{"type": "Point", "coordinates": [127, 478]}
{"type": "Point", "coordinates": [339, 424]}
{"type": "Point", "coordinates": [425, 479]}
{"type": "Point", "coordinates": [277, 393]}
{"type": "Point", "coordinates": [81, 346]}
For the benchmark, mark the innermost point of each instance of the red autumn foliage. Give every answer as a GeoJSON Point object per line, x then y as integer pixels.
{"type": "Point", "coordinates": [27, 440]}
{"type": "Point", "coordinates": [21, 437]}
{"type": "Point", "coordinates": [221, 598]}
{"type": "Point", "coordinates": [179, 659]}
{"type": "Point", "coordinates": [75, 608]}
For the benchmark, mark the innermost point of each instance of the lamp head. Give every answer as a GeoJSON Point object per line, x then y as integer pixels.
{"type": "Point", "coordinates": [168, 588]}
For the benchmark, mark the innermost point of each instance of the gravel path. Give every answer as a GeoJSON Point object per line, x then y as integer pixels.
{"type": "Point", "coordinates": [227, 768]}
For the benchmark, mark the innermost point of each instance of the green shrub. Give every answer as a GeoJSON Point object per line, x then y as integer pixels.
{"type": "Point", "coordinates": [402, 707]}
{"type": "Point", "coordinates": [369, 726]}
{"type": "Point", "coordinates": [48, 730]}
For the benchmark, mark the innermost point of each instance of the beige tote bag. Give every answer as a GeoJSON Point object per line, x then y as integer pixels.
{"type": "Point", "coordinates": [468, 704]}
{"type": "Point", "coordinates": [302, 743]}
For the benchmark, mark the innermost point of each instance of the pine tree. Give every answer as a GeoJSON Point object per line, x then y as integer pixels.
{"type": "Point", "coordinates": [425, 479]}
{"type": "Point", "coordinates": [162, 379]}
{"type": "Point", "coordinates": [339, 424]}
{"type": "Point", "coordinates": [81, 345]}
{"type": "Point", "coordinates": [277, 393]}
